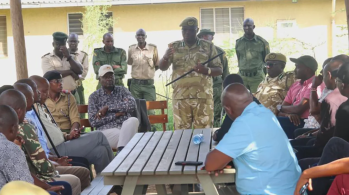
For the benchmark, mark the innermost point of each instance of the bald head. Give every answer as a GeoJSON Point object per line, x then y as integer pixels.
{"type": "Point", "coordinates": [107, 35]}
{"type": "Point", "coordinates": [141, 31]}
{"type": "Point", "coordinates": [235, 98]}
{"type": "Point", "coordinates": [33, 85]}
{"type": "Point", "coordinates": [73, 36]}
{"type": "Point", "coordinates": [8, 122]}
{"type": "Point", "coordinates": [27, 92]}
{"type": "Point", "coordinates": [5, 87]}
{"type": "Point", "coordinates": [249, 20]}
{"type": "Point", "coordinates": [43, 87]}
{"type": "Point", "coordinates": [15, 100]}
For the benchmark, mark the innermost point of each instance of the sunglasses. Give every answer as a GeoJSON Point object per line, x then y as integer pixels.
{"type": "Point", "coordinates": [270, 64]}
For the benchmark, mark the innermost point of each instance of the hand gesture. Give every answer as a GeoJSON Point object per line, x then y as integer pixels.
{"type": "Point", "coordinates": [56, 189]}
{"type": "Point", "coordinates": [74, 134]}
{"type": "Point", "coordinates": [64, 51]}
{"type": "Point", "coordinates": [294, 118]}
{"type": "Point", "coordinates": [301, 182]}
{"type": "Point", "coordinates": [199, 68]}
{"type": "Point", "coordinates": [317, 80]}
{"type": "Point", "coordinates": [217, 172]}
{"type": "Point", "coordinates": [116, 66]}
{"type": "Point", "coordinates": [169, 53]}
{"type": "Point", "coordinates": [64, 161]}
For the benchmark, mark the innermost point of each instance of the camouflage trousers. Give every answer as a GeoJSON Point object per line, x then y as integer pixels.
{"type": "Point", "coordinates": [118, 82]}
{"type": "Point", "coordinates": [192, 113]}
{"type": "Point", "coordinates": [217, 93]}
{"type": "Point", "coordinates": [252, 82]}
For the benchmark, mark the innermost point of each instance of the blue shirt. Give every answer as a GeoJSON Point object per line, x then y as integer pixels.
{"type": "Point", "coordinates": [33, 120]}
{"type": "Point", "coordinates": [263, 157]}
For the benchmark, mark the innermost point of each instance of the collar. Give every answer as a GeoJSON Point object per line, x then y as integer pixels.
{"type": "Point", "coordinates": [251, 106]}
{"type": "Point", "coordinates": [77, 52]}
{"type": "Point", "coordinates": [310, 80]}
{"type": "Point", "coordinates": [60, 97]}
{"type": "Point", "coordinates": [145, 48]}
{"type": "Point", "coordinates": [112, 51]}
{"type": "Point", "coordinates": [102, 92]}
{"type": "Point", "coordinates": [254, 38]}
{"type": "Point", "coordinates": [279, 77]}
{"type": "Point", "coordinates": [198, 41]}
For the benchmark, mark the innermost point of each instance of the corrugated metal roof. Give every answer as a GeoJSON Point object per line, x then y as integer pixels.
{"type": "Point", "coordinates": [5, 4]}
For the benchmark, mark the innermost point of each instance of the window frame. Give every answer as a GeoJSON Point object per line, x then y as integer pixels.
{"type": "Point", "coordinates": [69, 23]}
{"type": "Point", "coordinates": [5, 54]}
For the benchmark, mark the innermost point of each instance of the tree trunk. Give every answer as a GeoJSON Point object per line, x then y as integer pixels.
{"type": "Point", "coordinates": [18, 39]}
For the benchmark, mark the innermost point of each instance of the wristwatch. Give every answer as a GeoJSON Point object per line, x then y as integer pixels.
{"type": "Point", "coordinates": [279, 107]}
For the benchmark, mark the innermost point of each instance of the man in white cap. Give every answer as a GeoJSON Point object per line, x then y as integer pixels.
{"type": "Point", "coordinates": [110, 108]}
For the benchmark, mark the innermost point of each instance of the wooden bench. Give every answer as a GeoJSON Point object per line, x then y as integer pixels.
{"type": "Point", "coordinates": [97, 187]}
{"type": "Point", "coordinates": [83, 109]}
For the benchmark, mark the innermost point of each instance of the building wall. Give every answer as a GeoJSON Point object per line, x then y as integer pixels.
{"type": "Point", "coordinates": [161, 21]}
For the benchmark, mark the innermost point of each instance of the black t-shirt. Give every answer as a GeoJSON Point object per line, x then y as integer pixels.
{"type": "Point", "coordinates": [227, 124]}
{"type": "Point", "coordinates": [342, 124]}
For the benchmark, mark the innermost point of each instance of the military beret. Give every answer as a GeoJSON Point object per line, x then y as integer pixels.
{"type": "Point", "coordinates": [189, 21]}
{"type": "Point", "coordinates": [276, 57]}
{"type": "Point", "coordinates": [53, 74]}
{"type": "Point", "coordinates": [60, 36]}
{"type": "Point", "coordinates": [206, 32]}
{"type": "Point", "coordinates": [307, 61]}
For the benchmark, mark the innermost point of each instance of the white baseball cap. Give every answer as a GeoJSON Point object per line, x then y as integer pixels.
{"type": "Point", "coordinates": [104, 70]}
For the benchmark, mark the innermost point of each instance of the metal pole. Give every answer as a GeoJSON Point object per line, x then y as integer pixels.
{"type": "Point", "coordinates": [347, 14]}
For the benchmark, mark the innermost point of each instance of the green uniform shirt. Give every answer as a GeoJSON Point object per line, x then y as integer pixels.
{"type": "Point", "coordinates": [194, 85]}
{"type": "Point", "coordinates": [224, 61]}
{"type": "Point", "coordinates": [35, 154]}
{"type": "Point", "coordinates": [116, 57]}
{"type": "Point", "coordinates": [251, 53]}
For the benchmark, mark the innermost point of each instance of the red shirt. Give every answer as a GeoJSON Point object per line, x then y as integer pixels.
{"type": "Point", "coordinates": [299, 91]}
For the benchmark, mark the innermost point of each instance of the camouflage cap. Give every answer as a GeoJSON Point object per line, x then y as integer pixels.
{"type": "Point", "coordinates": [189, 21]}
{"type": "Point", "coordinates": [276, 57]}
{"type": "Point", "coordinates": [60, 36]}
{"type": "Point", "coordinates": [307, 61]}
{"type": "Point", "coordinates": [206, 32]}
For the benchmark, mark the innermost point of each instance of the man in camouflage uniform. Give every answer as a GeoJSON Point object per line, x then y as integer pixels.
{"type": "Point", "coordinates": [82, 57]}
{"type": "Point", "coordinates": [272, 91]}
{"type": "Point", "coordinates": [64, 62]}
{"type": "Point", "coordinates": [208, 35]}
{"type": "Point", "coordinates": [193, 94]}
{"type": "Point", "coordinates": [116, 57]}
{"type": "Point", "coordinates": [251, 51]}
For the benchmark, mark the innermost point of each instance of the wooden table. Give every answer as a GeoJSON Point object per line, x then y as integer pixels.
{"type": "Point", "coordinates": [149, 158]}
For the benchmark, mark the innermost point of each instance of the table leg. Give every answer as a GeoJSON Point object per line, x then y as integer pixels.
{"type": "Point", "coordinates": [129, 185]}
{"type": "Point", "coordinates": [161, 189]}
{"type": "Point", "coordinates": [184, 189]}
{"type": "Point", "coordinates": [207, 184]}
{"type": "Point", "coordinates": [139, 190]}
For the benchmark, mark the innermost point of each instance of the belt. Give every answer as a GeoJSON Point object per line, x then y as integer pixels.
{"type": "Point", "coordinates": [143, 82]}
{"type": "Point", "coordinates": [248, 74]}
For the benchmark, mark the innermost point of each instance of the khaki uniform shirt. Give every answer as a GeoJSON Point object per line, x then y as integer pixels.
{"type": "Point", "coordinates": [194, 85]}
{"type": "Point", "coordinates": [272, 91]}
{"type": "Point", "coordinates": [52, 62]}
{"type": "Point", "coordinates": [64, 111]}
{"type": "Point", "coordinates": [143, 61]}
{"type": "Point", "coordinates": [82, 57]}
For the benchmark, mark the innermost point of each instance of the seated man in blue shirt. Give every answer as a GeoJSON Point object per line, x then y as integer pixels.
{"type": "Point", "coordinates": [258, 146]}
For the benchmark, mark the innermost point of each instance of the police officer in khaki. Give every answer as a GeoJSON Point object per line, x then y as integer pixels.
{"type": "Point", "coordinates": [82, 57]}
{"type": "Point", "coordinates": [144, 59]}
{"type": "Point", "coordinates": [116, 57]}
{"type": "Point", "coordinates": [251, 51]}
{"type": "Point", "coordinates": [208, 35]}
{"type": "Point", "coordinates": [193, 94]}
{"type": "Point", "coordinates": [273, 89]}
{"type": "Point", "coordinates": [64, 62]}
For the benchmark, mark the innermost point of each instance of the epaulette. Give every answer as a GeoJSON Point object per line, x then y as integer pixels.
{"type": "Point", "coordinates": [120, 49]}
{"type": "Point", "coordinates": [83, 52]}
{"type": "Point", "coordinates": [97, 48]}
{"type": "Point", "coordinates": [152, 45]}
{"type": "Point", "coordinates": [261, 38]}
{"type": "Point", "coordinates": [132, 45]}
{"type": "Point", "coordinates": [287, 74]}
{"type": "Point", "coordinates": [45, 55]}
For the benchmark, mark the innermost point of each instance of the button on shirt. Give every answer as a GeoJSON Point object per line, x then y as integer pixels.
{"type": "Point", "coordinates": [13, 165]}
{"type": "Point", "coordinates": [52, 62]}
{"type": "Point", "coordinates": [265, 164]}
{"type": "Point", "coordinates": [143, 61]}
{"type": "Point", "coordinates": [119, 100]}
{"type": "Point", "coordinates": [299, 91]}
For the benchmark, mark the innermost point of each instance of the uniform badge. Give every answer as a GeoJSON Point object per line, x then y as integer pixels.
{"type": "Point", "coordinates": [190, 23]}
{"type": "Point", "coordinates": [272, 56]}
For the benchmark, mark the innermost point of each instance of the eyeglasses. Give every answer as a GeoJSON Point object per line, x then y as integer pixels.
{"type": "Point", "coordinates": [57, 81]}
{"type": "Point", "coordinates": [270, 64]}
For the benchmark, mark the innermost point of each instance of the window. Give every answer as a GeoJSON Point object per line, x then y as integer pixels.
{"type": "Point", "coordinates": [223, 20]}
{"type": "Point", "coordinates": [75, 23]}
{"type": "Point", "coordinates": [3, 36]}
{"type": "Point", "coordinates": [286, 28]}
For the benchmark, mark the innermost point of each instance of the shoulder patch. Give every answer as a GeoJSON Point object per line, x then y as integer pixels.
{"type": "Point", "coordinates": [83, 52]}
{"type": "Point", "coordinates": [132, 45]}
{"type": "Point", "coordinates": [152, 45]}
{"type": "Point", "coordinates": [45, 55]}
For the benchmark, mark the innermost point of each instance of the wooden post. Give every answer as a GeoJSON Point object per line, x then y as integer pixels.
{"type": "Point", "coordinates": [18, 39]}
{"type": "Point", "coordinates": [347, 14]}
